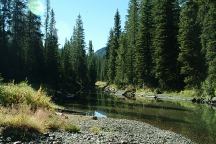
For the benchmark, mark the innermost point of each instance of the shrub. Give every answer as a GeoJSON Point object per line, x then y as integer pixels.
{"type": "Point", "coordinates": [71, 128]}
{"type": "Point", "coordinates": [12, 94]}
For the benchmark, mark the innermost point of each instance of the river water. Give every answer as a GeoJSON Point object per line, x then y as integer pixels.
{"type": "Point", "coordinates": [197, 122]}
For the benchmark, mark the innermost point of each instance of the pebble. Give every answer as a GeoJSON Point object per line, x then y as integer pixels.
{"type": "Point", "coordinates": [113, 131]}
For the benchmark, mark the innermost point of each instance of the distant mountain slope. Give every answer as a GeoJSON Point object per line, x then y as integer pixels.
{"type": "Point", "coordinates": [101, 52]}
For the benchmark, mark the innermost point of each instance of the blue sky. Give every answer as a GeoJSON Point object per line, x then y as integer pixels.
{"type": "Point", "coordinates": [97, 15]}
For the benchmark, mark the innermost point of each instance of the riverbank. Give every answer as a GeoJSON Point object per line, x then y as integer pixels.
{"type": "Point", "coordinates": [108, 130]}
{"type": "Point", "coordinates": [134, 95]}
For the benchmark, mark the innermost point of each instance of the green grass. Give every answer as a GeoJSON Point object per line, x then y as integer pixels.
{"type": "Point", "coordinates": [72, 128]}
{"type": "Point", "coordinates": [13, 94]}
{"type": "Point", "coordinates": [100, 84]}
{"type": "Point", "coordinates": [184, 93]}
{"type": "Point", "coordinates": [26, 113]}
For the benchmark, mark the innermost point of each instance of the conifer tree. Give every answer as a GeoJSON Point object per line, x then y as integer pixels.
{"type": "Point", "coordinates": [111, 58]}
{"type": "Point", "coordinates": [92, 73]}
{"type": "Point", "coordinates": [113, 48]}
{"type": "Point", "coordinates": [107, 56]}
{"type": "Point", "coordinates": [190, 57]}
{"type": "Point", "coordinates": [52, 55]}
{"type": "Point", "coordinates": [5, 24]}
{"type": "Point", "coordinates": [79, 55]}
{"type": "Point", "coordinates": [120, 78]}
{"type": "Point", "coordinates": [35, 56]}
{"type": "Point", "coordinates": [19, 44]}
{"type": "Point", "coordinates": [46, 24]}
{"type": "Point", "coordinates": [144, 45]}
{"type": "Point", "coordinates": [131, 31]}
{"type": "Point", "coordinates": [209, 44]}
{"type": "Point", "coordinates": [166, 15]}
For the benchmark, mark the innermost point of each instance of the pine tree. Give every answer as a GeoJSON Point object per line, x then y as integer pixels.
{"type": "Point", "coordinates": [131, 32]}
{"type": "Point", "coordinates": [46, 24]}
{"type": "Point", "coordinates": [111, 58]}
{"type": "Point", "coordinates": [79, 55]}
{"type": "Point", "coordinates": [52, 55]}
{"type": "Point", "coordinates": [166, 15]}
{"type": "Point", "coordinates": [120, 78]}
{"type": "Point", "coordinates": [113, 47]}
{"type": "Point", "coordinates": [5, 24]}
{"type": "Point", "coordinates": [190, 57]}
{"type": "Point", "coordinates": [209, 44]}
{"type": "Point", "coordinates": [68, 81]}
{"type": "Point", "coordinates": [106, 68]}
{"type": "Point", "coordinates": [144, 45]}
{"type": "Point", "coordinates": [92, 73]}
{"type": "Point", "coordinates": [19, 44]}
{"type": "Point", "coordinates": [35, 56]}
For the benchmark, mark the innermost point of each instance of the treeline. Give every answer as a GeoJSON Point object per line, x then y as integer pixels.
{"type": "Point", "coordinates": [165, 44]}
{"type": "Point", "coordinates": [28, 54]}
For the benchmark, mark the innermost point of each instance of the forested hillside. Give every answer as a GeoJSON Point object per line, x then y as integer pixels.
{"type": "Point", "coordinates": [168, 45]}
{"type": "Point", "coordinates": [29, 49]}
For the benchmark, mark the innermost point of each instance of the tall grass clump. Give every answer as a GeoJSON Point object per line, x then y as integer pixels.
{"type": "Point", "coordinates": [13, 94]}
{"type": "Point", "coordinates": [26, 113]}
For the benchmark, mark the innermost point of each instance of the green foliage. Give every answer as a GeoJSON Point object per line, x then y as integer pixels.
{"type": "Point", "coordinates": [165, 44]}
{"type": "Point", "coordinates": [72, 128]}
{"type": "Point", "coordinates": [111, 58]}
{"type": "Point", "coordinates": [14, 94]}
{"type": "Point", "coordinates": [113, 48]}
{"type": "Point", "coordinates": [190, 57]}
{"type": "Point", "coordinates": [35, 53]}
{"type": "Point", "coordinates": [209, 43]}
{"type": "Point", "coordinates": [144, 63]}
{"type": "Point", "coordinates": [121, 78]}
{"type": "Point", "coordinates": [131, 32]}
{"type": "Point", "coordinates": [91, 61]}
{"type": "Point", "coordinates": [52, 54]}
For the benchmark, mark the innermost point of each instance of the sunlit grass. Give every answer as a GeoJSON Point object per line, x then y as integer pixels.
{"type": "Point", "coordinates": [12, 94]}
{"type": "Point", "coordinates": [100, 84]}
{"type": "Point", "coordinates": [27, 113]}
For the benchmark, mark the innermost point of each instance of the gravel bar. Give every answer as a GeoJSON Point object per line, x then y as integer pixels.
{"type": "Point", "coordinates": [111, 131]}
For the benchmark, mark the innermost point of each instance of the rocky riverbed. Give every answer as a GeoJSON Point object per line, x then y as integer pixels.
{"type": "Point", "coordinates": [109, 131]}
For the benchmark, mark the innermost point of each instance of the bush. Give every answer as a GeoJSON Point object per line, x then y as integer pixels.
{"type": "Point", "coordinates": [28, 113]}
{"type": "Point", "coordinates": [209, 89]}
{"type": "Point", "coordinates": [13, 94]}
{"type": "Point", "coordinates": [20, 124]}
{"type": "Point", "coordinates": [72, 128]}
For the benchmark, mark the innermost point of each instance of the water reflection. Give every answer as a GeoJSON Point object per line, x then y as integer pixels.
{"type": "Point", "coordinates": [197, 122]}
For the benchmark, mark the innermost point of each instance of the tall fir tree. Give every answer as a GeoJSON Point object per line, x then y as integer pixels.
{"type": "Point", "coordinates": [121, 78]}
{"type": "Point", "coordinates": [46, 24]}
{"type": "Point", "coordinates": [144, 64]}
{"type": "Point", "coordinates": [35, 55]}
{"type": "Point", "coordinates": [18, 49]}
{"type": "Point", "coordinates": [92, 73]}
{"type": "Point", "coordinates": [5, 27]}
{"type": "Point", "coordinates": [113, 48]}
{"type": "Point", "coordinates": [52, 55]}
{"type": "Point", "coordinates": [108, 45]}
{"type": "Point", "coordinates": [79, 55]}
{"type": "Point", "coordinates": [166, 17]}
{"type": "Point", "coordinates": [209, 45]}
{"type": "Point", "coordinates": [111, 58]}
{"type": "Point", "coordinates": [132, 31]}
{"type": "Point", "coordinates": [190, 57]}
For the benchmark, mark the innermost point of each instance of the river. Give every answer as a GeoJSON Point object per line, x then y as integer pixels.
{"type": "Point", "coordinates": [194, 121]}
